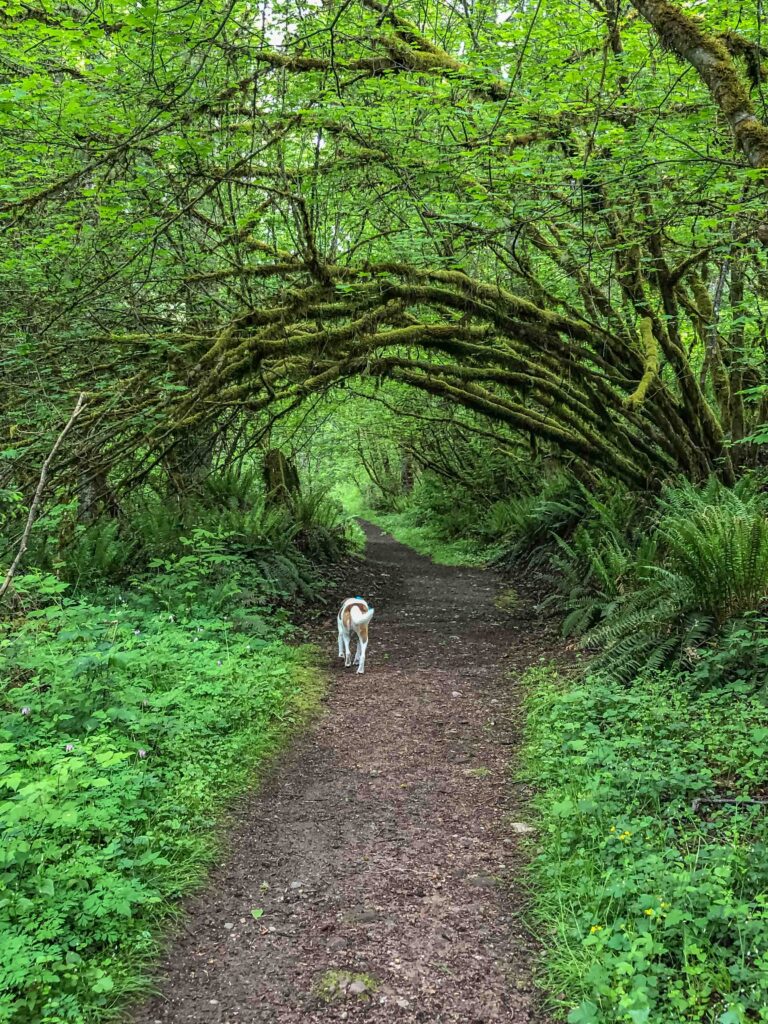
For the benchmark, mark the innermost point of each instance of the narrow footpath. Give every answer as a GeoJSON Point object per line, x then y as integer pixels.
{"type": "Point", "coordinates": [385, 846]}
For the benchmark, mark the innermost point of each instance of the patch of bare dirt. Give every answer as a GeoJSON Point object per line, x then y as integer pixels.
{"type": "Point", "coordinates": [384, 849]}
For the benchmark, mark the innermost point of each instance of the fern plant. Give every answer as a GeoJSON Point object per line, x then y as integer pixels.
{"type": "Point", "coordinates": [723, 553]}
{"type": "Point", "coordinates": [534, 521]}
{"type": "Point", "coordinates": [319, 524]}
{"type": "Point", "coordinates": [593, 573]}
{"type": "Point", "coordinates": [235, 488]}
{"type": "Point", "coordinates": [591, 570]}
{"type": "Point", "coordinates": [713, 570]}
{"type": "Point", "coordinates": [99, 552]}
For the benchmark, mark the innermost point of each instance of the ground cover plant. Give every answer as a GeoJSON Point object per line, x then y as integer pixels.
{"type": "Point", "coordinates": [652, 901]}
{"type": "Point", "coordinates": [126, 727]}
{"type": "Point", "coordinates": [148, 671]}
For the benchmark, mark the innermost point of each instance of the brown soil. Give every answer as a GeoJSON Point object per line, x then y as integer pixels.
{"type": "Point", "coordinates": [385, 848]}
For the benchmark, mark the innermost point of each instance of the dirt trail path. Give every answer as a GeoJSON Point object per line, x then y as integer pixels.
{"type": "Point", "coordinates": [383, 843]}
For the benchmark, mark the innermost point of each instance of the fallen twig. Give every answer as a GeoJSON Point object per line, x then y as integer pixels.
{"type": "Point", "coordinates": [725, 800]}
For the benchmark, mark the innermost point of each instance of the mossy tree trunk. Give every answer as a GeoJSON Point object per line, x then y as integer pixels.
{"type": "Point", "coordinates": [281, 478]}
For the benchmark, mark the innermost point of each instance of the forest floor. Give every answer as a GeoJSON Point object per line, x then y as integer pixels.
{"type": "Point", "coordinates": [385, 848]}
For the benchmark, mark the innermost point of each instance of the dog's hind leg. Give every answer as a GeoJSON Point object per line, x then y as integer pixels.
{"type": "Point", "coordinates": [347, 651]}
{"type": "Point", "coordinates": [341, 642]}
{"type": "Point", "coordinates": [360, 660]}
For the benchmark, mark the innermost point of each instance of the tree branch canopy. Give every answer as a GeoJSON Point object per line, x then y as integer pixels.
{"type": "Point", "coordinates": [222, 217]}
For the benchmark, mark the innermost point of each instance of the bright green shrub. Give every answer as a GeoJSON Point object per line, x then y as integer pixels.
{"type": "Point", "coordinates": [124, 728]}
{"type": "Point", "coordinates": [654, 909]}
{"type": "Point", "coordinates": [722, 554]}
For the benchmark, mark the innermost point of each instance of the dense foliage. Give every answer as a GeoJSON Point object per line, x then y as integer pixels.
{"type": "Point", "coordinates": [550, 214]}
{"type": "Point", "coordinates": [495, 274]}
{"type": "Point", "coordinates": [651, 884]}
{"type": "Point", "coordinates": [146, 670]}
{"type": "Point", "coordinates": [127, 728]}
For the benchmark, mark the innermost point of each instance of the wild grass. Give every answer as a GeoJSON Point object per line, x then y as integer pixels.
{"type": "Point", "coordinates": [425, 538]}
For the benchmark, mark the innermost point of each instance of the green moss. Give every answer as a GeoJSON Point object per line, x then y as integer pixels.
{"type": "Point", "coordinates": [335, 986]}
{"type": "Point", "coordinates": [651, 362]}
{"type": "Point", "coordinates": [507, 600]}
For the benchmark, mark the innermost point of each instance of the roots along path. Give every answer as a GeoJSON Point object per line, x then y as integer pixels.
{"type": "Point", "coordinates": [383, 844]}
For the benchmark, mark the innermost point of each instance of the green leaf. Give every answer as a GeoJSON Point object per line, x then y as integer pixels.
{"type": "Point", "coordinates": [731, 1017]}
{"type": "Point", "coordinates": [584, 1013]}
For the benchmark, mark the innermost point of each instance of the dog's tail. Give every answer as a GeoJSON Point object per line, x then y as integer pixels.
{"type": "Point", "coordinates": [360, 618]}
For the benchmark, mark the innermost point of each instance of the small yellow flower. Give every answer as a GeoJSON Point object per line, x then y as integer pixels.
{"type": "Point", "coordinates": [665, 905]}
{"type": "Point", "coordinates": [613, 828]}
{"type": "Point", "coordinates": [650, 912]}
{"type": "Point", "coordinates": [595, 928]}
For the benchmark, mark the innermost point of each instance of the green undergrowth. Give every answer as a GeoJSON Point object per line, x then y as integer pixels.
{"type": "Point", "coordinates": [127, 726]}
{"type": "Point", "coordinates": [652, 902]}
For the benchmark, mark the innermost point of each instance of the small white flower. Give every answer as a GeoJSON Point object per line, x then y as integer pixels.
{"type": "Point", "coordinates": [26, 711]}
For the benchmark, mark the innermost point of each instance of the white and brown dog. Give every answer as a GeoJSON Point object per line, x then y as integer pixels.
{"type": "Point", "coordinates": [354, 616]}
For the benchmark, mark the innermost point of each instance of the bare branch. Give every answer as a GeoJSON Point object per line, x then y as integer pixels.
{"type": "Point", "coordinates": [38, 497]}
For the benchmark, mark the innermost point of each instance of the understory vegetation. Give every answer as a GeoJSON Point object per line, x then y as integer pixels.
{"type": "Point", "coordinates": [147, 670]}
{"type": "Point", "coordinates": [651, 884]}
{"type": "Point", "coordinates": [649, 879]}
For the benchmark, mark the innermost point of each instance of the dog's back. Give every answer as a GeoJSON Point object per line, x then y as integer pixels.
{"type": "Point", "coordinates": [354, 616]}
{"type": "Point", "coordinates": [355, 613]}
